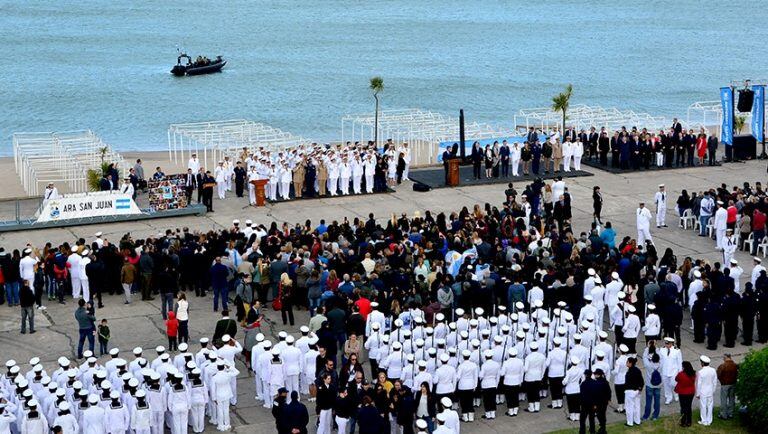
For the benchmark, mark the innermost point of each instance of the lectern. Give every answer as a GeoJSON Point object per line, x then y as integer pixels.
{"type": "Point", "coordinates": [453, 172]}
{"type": "Point", "coordinates": [258, 185]}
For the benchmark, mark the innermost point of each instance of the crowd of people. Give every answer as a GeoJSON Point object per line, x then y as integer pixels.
{"type": "Point", "coordinates": [494, 306]}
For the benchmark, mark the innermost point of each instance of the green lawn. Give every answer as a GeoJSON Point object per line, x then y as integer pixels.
{"type": "Point", "coordinates": [669, 424]}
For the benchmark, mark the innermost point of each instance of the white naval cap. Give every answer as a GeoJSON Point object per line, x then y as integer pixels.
{"type": "Point", "coordinates": [34, 361]}
{"type": "Point", "coordinates": [183, 346]}
{"type": "Point", "coordinates": [205, 341]}
{"type": "Point", "coordinates": [591, 271]}
{"type": "Point", "coordinates": [64, 406]}
{"type": "Point", "coordinates": [575, 360]}
{"type": "Point", "coordinates": [466, 354]}
{"type": "Point", "coordinates": [226, 338]}
{"type": "Point", "coordinates": [631, 308]}
{"type": "Point", "coordinates": [114, 394]}
{"type": "Point", "coordinates": [534, 346]}
{"type": "Point", "coordinates": [600, 354]}
{"type": "Point", "coordinates": [137, 351]}
{"type": "Point", "coordinates": [704, 359]}
{"type": "Point", "coordinates": [446, 402]}
{"type": "Point", "coordinates": [459, 311]}
{"type": "Point", "coordinates": [623, 348]}
{"type": "Point", "coordinates": [304, 329]}
{"type": "Point", "coordinates": [615, 275]}
{"type": "Point", "coordinates": [669, 340]}
{"type": "Point", "coordinates": [93, 399]}
{"type": "Point", "coordinates": [290, 340]}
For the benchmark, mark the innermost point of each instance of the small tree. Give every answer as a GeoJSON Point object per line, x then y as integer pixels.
{"type": "Point", "coordinates": [376, 86]}
{"type": "Point", "coordinates": [561, 102]}
{"type": "Point", "coordinates": [739, 122]}
{"type": "Point", "coordinates": [751, 386]}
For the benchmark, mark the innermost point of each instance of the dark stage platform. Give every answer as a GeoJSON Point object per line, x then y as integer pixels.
{"type": "Point", "coordinates": [435, 177]}
{"type": "Point", "coordinates": [652, 168]}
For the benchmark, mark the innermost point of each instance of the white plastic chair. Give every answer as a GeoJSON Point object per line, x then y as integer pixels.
{"type": "Point", "coordinates": [763, 246]}
{"type": "Point", "coordinates": [687, 218]}
{"type": "Point", "coordinates": [750, 241]}
{"type": "Point", "coordinates": [711, 226]}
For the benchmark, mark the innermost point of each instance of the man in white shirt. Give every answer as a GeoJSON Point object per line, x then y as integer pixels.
{"type": "Point", "coordinates": [467, 374]}
{"type": "Point", "coordinates": [756, 269]}
{"type": "Point", "coordinates": [730, 242]}
{"type": "Point", "coordinates": [74, 272]}
{"type": "Point", "coordinates": [450, 415]}
{"type": "Point", "coordinates": [50, 193]}
{"type": "Point", "coordinates": [706, 384]}
{"type": "Point", "coordinates": [721, 224]}
{"type": "Point", "coordinates": [671, 365]}
{"type": "Point", "coordinates": [220, 174]}
{"type": "Point", "coordinates": [643, 225]}
{"type": "Point", "coordinates": [660, 199]}
{"type": "Point", "coordinates": [27, 267]}
{"type": "Point", "coordinates": [735, 274]}
{"type": "Point", "coordinates": [193, 164]}
{"type": "Point", "coordinates": [489, 381]}
{"type": "Point", "coordinates": [534, 372]}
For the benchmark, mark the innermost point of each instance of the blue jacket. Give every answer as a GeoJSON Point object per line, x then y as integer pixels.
{"type": "Point", "coordinates": [219, 274]}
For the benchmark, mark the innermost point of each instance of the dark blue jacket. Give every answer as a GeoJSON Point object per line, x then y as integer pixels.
{"type": "Point", "coordinates": [219, 274]}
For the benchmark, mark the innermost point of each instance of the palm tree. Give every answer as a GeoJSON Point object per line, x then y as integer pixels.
{"type": "Point", "coordinates": [561, 101]}
{"type": "Point", "coordinates": [376, 86]}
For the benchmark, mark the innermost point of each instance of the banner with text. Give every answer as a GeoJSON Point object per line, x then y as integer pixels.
{"type": "Point", "coordinates": [726, 99]}
{"type": "Point", "coordinates": [758, 115]}
{"type": "Point", "coordinates": [88, 205]}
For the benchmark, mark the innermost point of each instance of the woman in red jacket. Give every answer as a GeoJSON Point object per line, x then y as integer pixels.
{"type": "Point", "coordinates": [686, 388]}
{"type": "Point", "coordinates": [701, 147]}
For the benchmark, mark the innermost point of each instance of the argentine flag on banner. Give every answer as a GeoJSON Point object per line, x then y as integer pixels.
{"type": "Point", "coordinates": [455, 259]}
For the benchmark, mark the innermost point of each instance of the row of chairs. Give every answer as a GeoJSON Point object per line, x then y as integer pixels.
{"type": "Point", "coordinates": [687, 219]}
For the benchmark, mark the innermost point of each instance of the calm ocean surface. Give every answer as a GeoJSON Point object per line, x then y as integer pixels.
{"type": "Point", "coordinates": [300, 66]}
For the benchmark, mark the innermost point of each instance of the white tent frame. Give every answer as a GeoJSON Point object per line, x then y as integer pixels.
{"type": "Point", "coordinates": [582, 116]}
{"type": "Point", "coordinates": [59, 157]}
{"type": "Point", "coordinates": [218, 139]}
{"type": "Point", "coordinates": [422, 130]}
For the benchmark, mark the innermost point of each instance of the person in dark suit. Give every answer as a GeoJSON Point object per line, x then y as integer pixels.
{"type": "Point", "coordinates": [597, 204]}
{"type": "Point", "coordinates": [591, 144]}
{"type": "Point", "coordinates": [199, 178]}
{"type": "Point", "coordinates": [677, 127]}
{"type": "Point", "coordinates": [532, 136]}
{"type": "Point", "coordinates": [615, 150]}
{"type": "Point", "coordinates": [504, 154]}
{"type": "Point", "coordinates": [712, 149]}
{"type": "Point", "coordinates": [240, 177]}
{"type": "Point", "coordinates": [190, 182]}
{"type": "Point", "coordinates": [105, 184]}
{"type": "Point", "coordinates": [207, 187]}
{"type": "Point", "coordinates": [447, 156]}
{"type": "Point", "coordinates": [603, 146]}
{"type": "Point", "coordinates": [477, 159]}
{"type": "Point", "coordinates": [569, 133]}
{"type": "Point", "coordinates": [535, 157]}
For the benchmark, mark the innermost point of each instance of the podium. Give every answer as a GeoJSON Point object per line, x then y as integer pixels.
{"type": "Point", "coordinates": [261, 196]}
{"type": "Point", "coordinates": [453, 172]}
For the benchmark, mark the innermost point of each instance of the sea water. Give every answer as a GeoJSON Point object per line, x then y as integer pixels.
{"type": "Point", "coordinates": [301, 65]}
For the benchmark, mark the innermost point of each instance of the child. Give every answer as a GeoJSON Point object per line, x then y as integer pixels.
{"type": "Point", "coordinates": [172, 329]}
{"type": "Point", "coordinates": [103, 337]}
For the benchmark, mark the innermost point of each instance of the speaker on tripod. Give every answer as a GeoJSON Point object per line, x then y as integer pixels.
{"type": "Point", "coordinates": [746, 98]}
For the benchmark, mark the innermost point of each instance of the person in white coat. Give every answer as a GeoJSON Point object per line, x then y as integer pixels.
{"type": "Point", "coordinates": [286, 176]}
{"type": "Point", "coordinates": [84, 283]}
{"type": "Point", "coordinates": [730, 242]}
{"type": "Point", "coordinates": [555, 365]}
{"type": "Point", "coordinates": [7, 418]}
{"type": "Point", "coordinates": [227, 352]}
{"type": "Point", "coordinates": [73, 260]}
{"type": "Point", "coordinates": [127, 188]}
{"type": "Point", "coordinates": [706, 384]}
{"type": "Point", "coordinates": [33, 421]}
{"type": "Point", "coordinates": [758, 268]}
{"type": "Point", "coordinates": [515, 152]}
{"type": "Point", "coordinates": [357, 174]}
{"type": "Point", "coordinates": [735, 273]}
{"type": "Point", "coordinates": [567, 154]}
{"type": "Point", "coordinates": [193, 164]}
{"type": "Point", "coordinates": [118, 418]}
{"type": "Point", "coordinates": [369, 166]}
{"type": "Point", "coordinates": [660, 200]}
{"type": "Point", "coordinates": [274, 179]}
{"type": "Point", "coordinates": [66, 420]}
{"type": "Point", "coordinates": [333, 176]}
{"type": "Point", "coordinates": [489, 382]}
{"type": "Point", "coordinates": [141, 414]}
{"type": "Point", "coordinates": [220, 174]}
{"type": "Point", "coordinates": [345, 173]}
{"type": "Point", "coordinates": [198, 398]}
{"type": "Point", "coordinates": [721, 224]}
{"type": "Point", "coordinates": [574, 376]}
{"type": "Point", "coordinates": [534, 373]}
{"type": "Point", "coordinates": [643, 220]}
{"type": "Point", "coordinates": [222, 393]}
{"type": "Point", "coordinates": [578, 152]}
{"type": "Point", "coordinates": [512, 372]}
{"type": "Point", "coordinates": [178, 405]}
{"type": "Point", "coordinates": [671, 360]}
{"type": "Point", "coordinates": [467, 375]}
{"type": "Point", "coordinates": [93, 418]}
{"type": "Point", "coordinates": [451, 416]}
{"type": "Point", "coordinates": [293, 360]}
{"type": "Point", "coordinates": [652, 327]}
{"type": "Point", "coordinates": [406, 151]}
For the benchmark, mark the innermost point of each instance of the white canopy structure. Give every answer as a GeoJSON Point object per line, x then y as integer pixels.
{"type": "Point", "coordinates": [217, 139]}
{"type": "Point", "coordinates": [709, 114]}
{"type": "Point", "coordinates": [62, 158]}
{"type": "Point", "coordinates": [583, 116]}
{"type": "Point", "coordinates": [422, 130]}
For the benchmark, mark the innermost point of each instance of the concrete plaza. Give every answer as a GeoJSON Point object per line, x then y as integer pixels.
{"type": "Point", "coordinates": [140, 324]}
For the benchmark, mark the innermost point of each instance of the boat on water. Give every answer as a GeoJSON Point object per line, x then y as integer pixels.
{"type": "Point", "coordinates": [202, 65]}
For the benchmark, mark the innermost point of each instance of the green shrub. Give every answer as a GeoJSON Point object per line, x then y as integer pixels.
{"type": "Point", "coordinates": [752, 385]}
{"type": "Point", "coordinates": [93, 177]}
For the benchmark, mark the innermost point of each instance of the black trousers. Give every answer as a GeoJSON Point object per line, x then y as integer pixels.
{"type": "Point", "coordinates": [713, 335]}
{"type": "Point", "coordinates": [465, 401]}
{"type": "Point", "coordinates": [619, 388]}
{"type": "Point", "coordinates": [512, 396]}
{"type": "Point", "coordinates": [208, 198]}
{"type": "Point", "coordinates": [712, 153]}
{"type": "Point", "coordinates": [489, 399]}
{"type": "Point", "coordinates": [476, 170]}
{"type": "Point", "coordinates": [574, 403]}
{"type": "Point", "coordinates": [239, 184]}
{"type": "Point", "coordinates": [532, 389]}
{"type": "Point", "coordinates": [287, 313]}
{"type": "Point", "coordinates": [686, 413]}
{"type": "Point", "coordinates": [748, 327]}
{"type": "Point", "coordinates": [199, 194]}
{"type": "Point", "coordinates": [731, 330]}
{"type": "Point", "coordinates": [591, 414]}
{"type": "Point", "coordinates": [556, 387]}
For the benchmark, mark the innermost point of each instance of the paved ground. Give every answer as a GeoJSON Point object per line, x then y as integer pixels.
{"type": "Point", "coordinates": [141, 323]}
